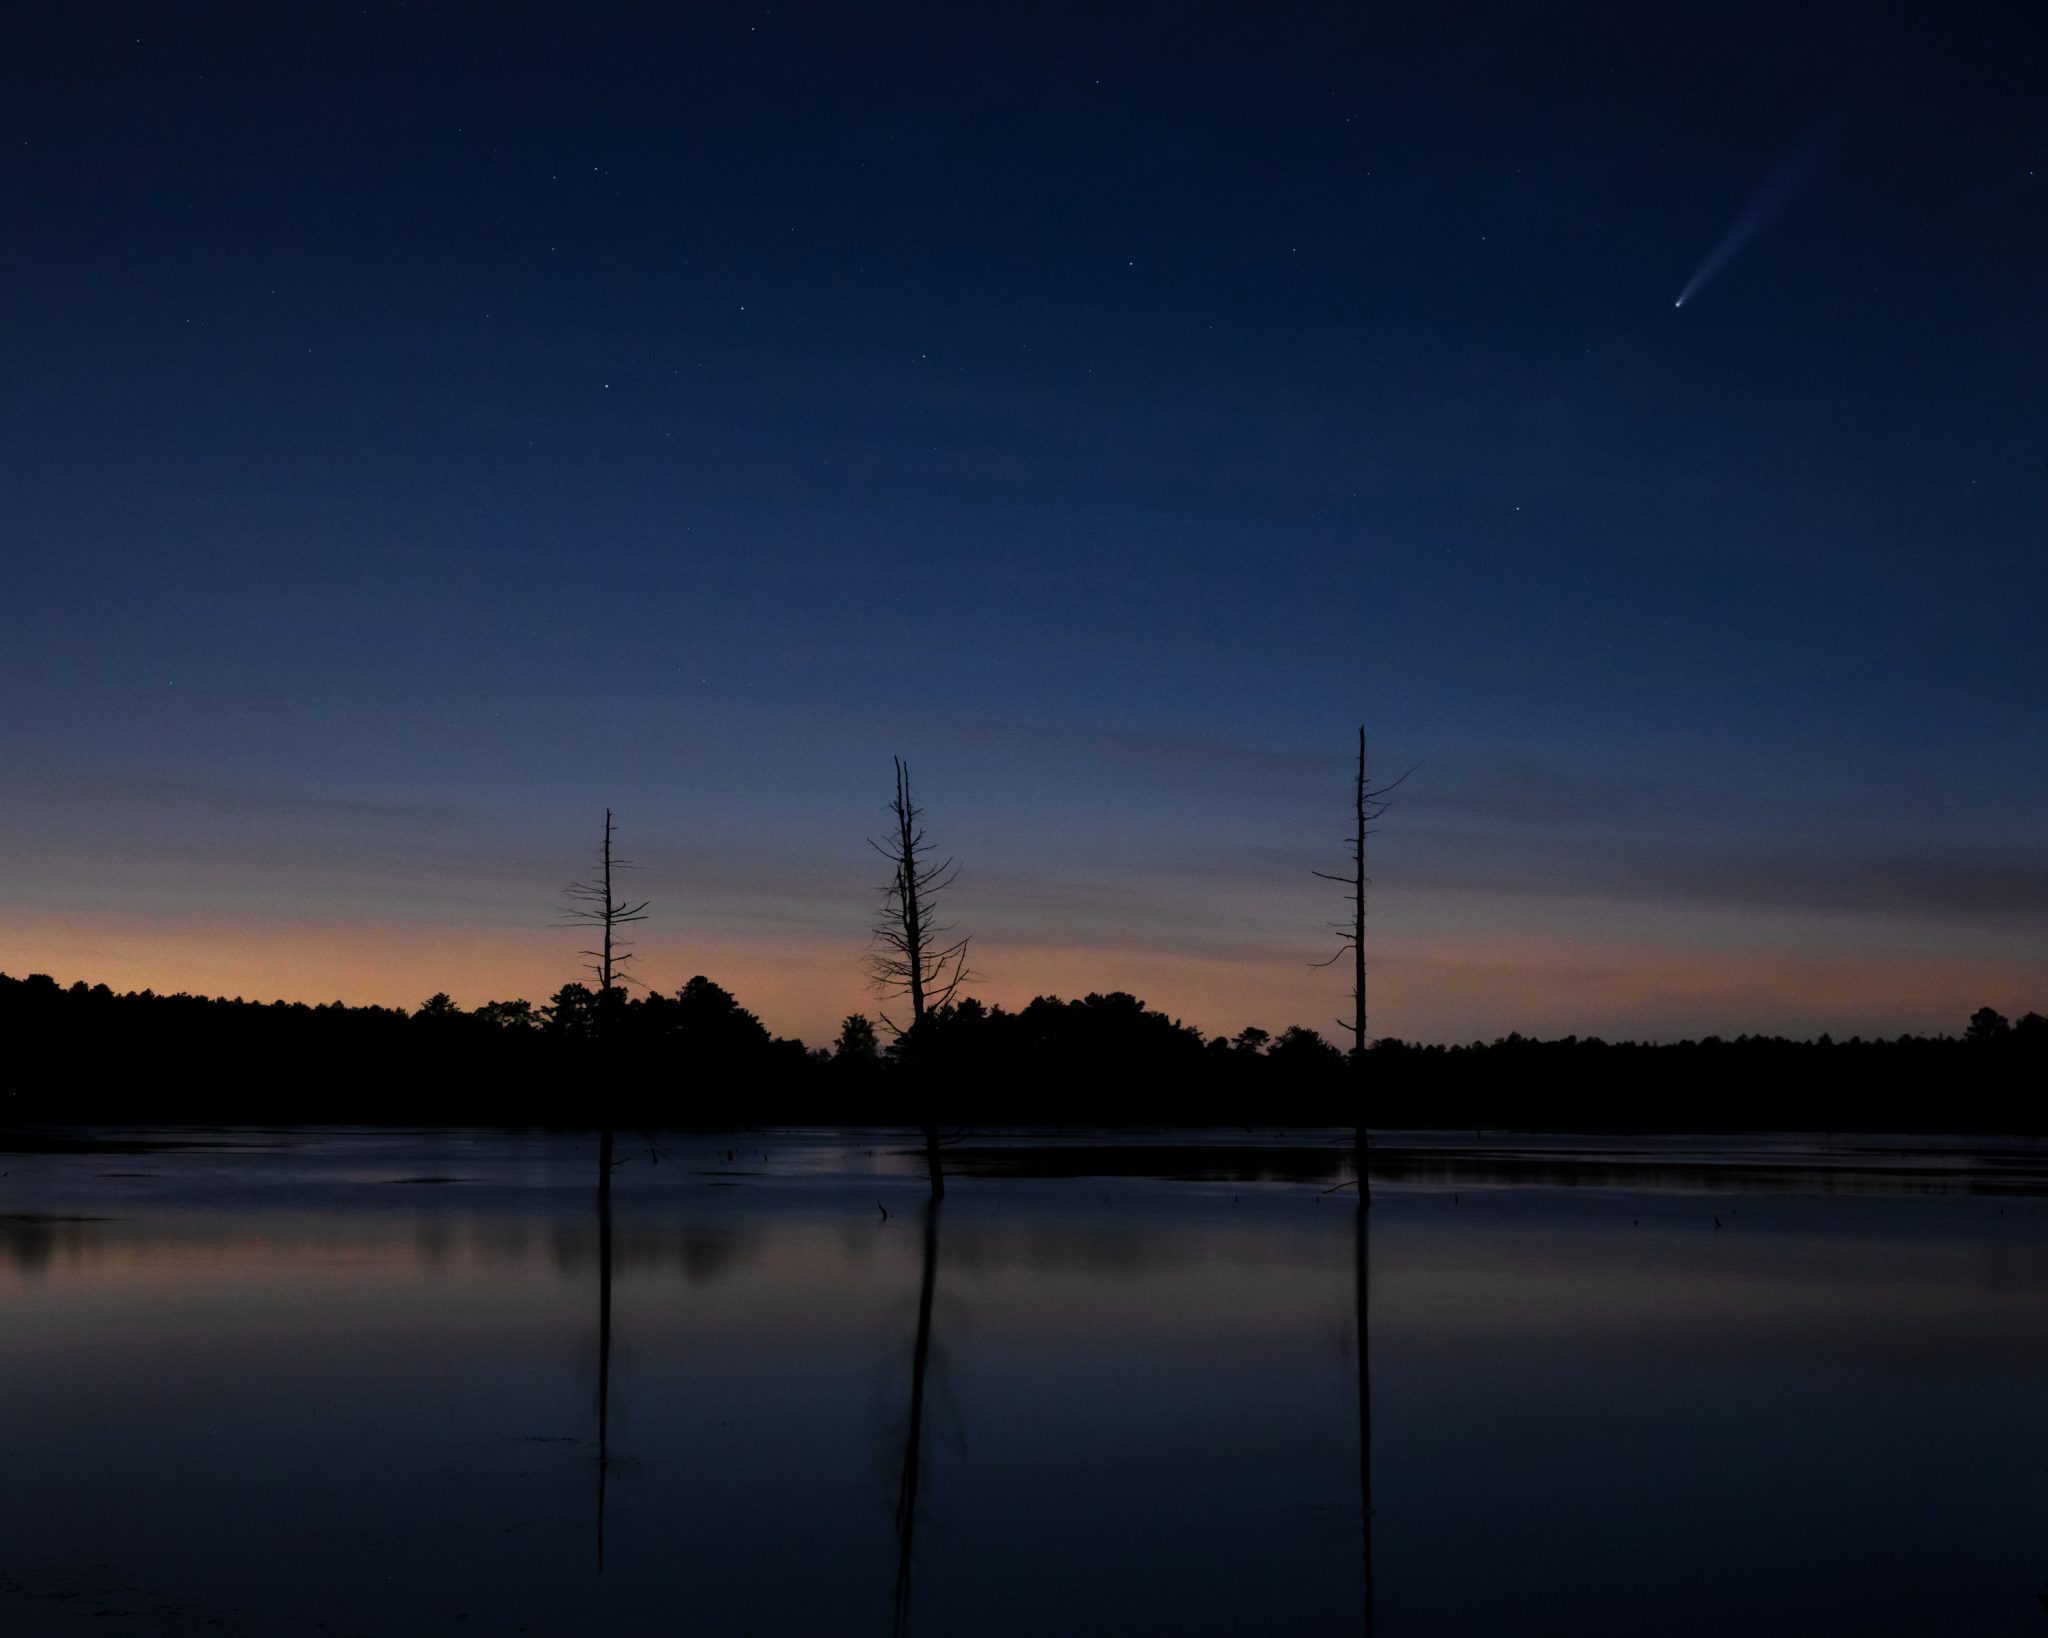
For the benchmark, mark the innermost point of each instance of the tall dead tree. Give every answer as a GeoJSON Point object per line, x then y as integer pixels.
{"type": "Point", "coordinates": [594, 904]}
{"type": "Point", "coordinates": [1368, 804]}
{"type": "Point", "coordinates": [912, 958]}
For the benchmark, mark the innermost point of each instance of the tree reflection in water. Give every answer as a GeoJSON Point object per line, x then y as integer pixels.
{"type": "Point", "coordinates": [604, 1333]}
{"type": "Point", "coordinates": [1363, 1294]}
{"type": "Point", "coordinates": [913, 1437]}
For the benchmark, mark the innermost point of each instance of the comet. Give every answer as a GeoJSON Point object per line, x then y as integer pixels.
{"type": "Point", "coordinates": [1787, 179]}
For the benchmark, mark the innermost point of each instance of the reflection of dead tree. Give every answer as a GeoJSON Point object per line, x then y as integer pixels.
{"type": "Point", "coordinates": [594, 904]}
{"type": "Point", "coordinates": [912, 958]}
{"type": "Point", "coordinates": [604, 1349]}
{"type": "Point", "coordinates": [1364, 1298]}
{"type": "Point", "coordinates": [1368, 804]}
{"type": "Point", "coordinates": [913, 1438]}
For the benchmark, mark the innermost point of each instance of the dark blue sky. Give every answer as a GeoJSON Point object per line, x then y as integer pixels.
{"type": "Point", "coordinates": [425, 425]}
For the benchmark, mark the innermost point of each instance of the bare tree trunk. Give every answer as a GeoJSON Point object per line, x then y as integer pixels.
{"type": "Point", "coordinates": [1363, 1142]}
{"type": "Point", "coordinates": [914, 937]}
{"type": "Point", "coordinates": [908, 889]}
{"type": "Point", "coordinates": [604, 1143]}
{"type": "Point", "coordinates": [594, 904]}
{"type": "Point", "coordinates": [1367, 804]}
{"type": "Point", "coordinates": [604, 979]}
{"type": "Point", "coordinates": [908, 958]}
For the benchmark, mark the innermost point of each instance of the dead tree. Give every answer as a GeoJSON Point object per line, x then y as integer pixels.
{"type": "Point", "coordinates": [912, 958]}
{"type": "Point", "coordinates": [594, 904]}
{"type": "Point", "coordinates": [1368, 804]}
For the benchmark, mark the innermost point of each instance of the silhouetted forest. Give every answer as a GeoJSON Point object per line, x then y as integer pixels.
{"type": "Point", "coordinates": [699, 1058]}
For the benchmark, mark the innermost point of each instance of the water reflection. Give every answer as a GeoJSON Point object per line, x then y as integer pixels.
{"type": "Point", "coordinates": [1362, 1291]}
{"type": "Point", "coordinates": [1693, 1165]}
{"type": "Point", "coordinates": [35, 1239]}
{"type": "Point", "coordinates": [604, 1335]}
{"type": "Point", "coordinates": [1627, 1419]}
{"type": "Point", "coordinates": [913, 1435]}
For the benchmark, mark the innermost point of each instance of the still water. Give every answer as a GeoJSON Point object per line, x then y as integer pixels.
{"type": "Point", "coordinates": [359, 1381]}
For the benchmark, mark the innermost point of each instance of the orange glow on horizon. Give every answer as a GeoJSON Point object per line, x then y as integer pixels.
{"type": "Point", "coordinates": [1442, 989]}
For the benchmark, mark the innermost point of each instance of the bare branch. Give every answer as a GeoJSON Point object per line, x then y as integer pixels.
{"type": "Point", "coordinates": [595, 904]}
{"type": "Point", "coordinates": [910, 955]}
{"type": "Point", "coordinates": [1368, 803]}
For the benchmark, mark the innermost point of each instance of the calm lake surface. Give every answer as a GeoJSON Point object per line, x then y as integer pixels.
{"type": "Point", "coordinates": [349, 1381]}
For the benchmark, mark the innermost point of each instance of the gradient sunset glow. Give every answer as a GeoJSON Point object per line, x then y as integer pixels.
{"type": "Point", "coordinates": [276, 899]}
{"type": "Point", "coordinates": [424, 432]}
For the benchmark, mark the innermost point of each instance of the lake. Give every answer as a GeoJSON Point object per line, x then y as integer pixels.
{"type": "Point", "coordinates": [374, 1381]}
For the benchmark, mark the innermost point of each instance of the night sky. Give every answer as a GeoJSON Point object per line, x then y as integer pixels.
{"type": "Point", "coordinates": [426, 425]}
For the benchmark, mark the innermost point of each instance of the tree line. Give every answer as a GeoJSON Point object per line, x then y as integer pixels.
{"type": "Point", "coordinates": [698, 1056]}
{"type": "Point", "coordinates": [614, 1049]}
